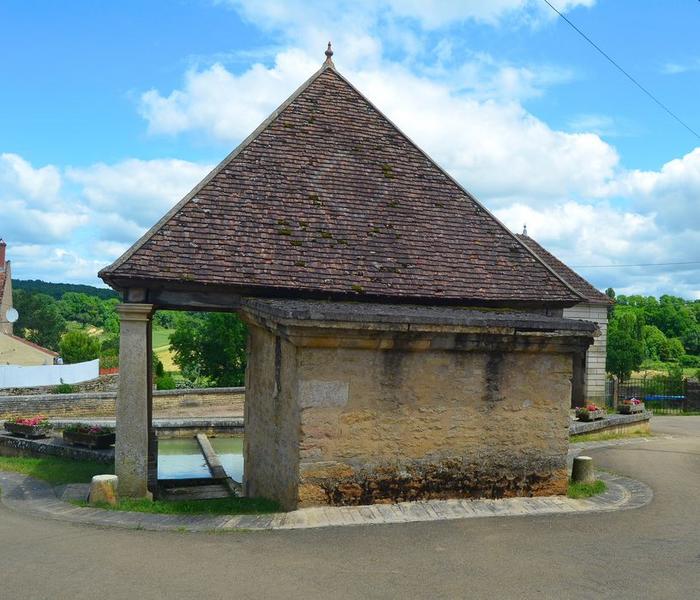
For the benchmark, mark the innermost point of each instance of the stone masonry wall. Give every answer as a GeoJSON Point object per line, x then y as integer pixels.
{"type": "Point", "coordinates": [271, 439]}
{"type": "Point", "coordinates": [394, 425]}
{"type": "Point", "coordinates": [594, 382]}
{"type": "Point", "coordinates": [102, 404]}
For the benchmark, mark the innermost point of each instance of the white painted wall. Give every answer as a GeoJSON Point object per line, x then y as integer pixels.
{"type": "Point", "coordinates": [594, 383]}
{"type": "Point", "coordinates": [14, 376]}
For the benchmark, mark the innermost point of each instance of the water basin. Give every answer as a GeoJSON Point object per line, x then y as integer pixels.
{"type": "Point", "coordinates": [181, 458]}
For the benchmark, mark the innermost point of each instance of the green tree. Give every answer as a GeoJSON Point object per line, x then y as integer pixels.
{"type": "Point", "coordinates": [655, 343]}
{"type": "Point", "coordinates": [691, 340]}
{"type": "Point", "coordinates": [77, 346]}
{"type": "Point", "coordinates": [625, 344]}
{"type": "Point", "coordinates": [210, 345]}
{"type": "Point", "coordinates": [675, 350]}
{"type": "Point", "coordinates": [40, 320]}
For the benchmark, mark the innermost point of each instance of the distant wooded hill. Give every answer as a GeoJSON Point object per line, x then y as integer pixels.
{"type": "Point", "coordinates": [56, 290]}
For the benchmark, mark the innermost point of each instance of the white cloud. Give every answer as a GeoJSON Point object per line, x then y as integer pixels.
{"type": "Point", "coordinates": [673, 192]}
{"type": "Point", "coordinates": [136, 191]}
{"type": "Point", "coordinates": [56, 263]}
{"type": "Point", "coordinates": [226, 105]}
{"type": "Point", "coordinates": [585, 235]}
{"type": "Point", "coordinates": [18, 176]}
{"type": "Point", "coordinates": [30, 206]}
{"type": "Point", "coordinates": [428, 14]}
{"type": "Point", "coordinates": [677, 68]}
{"type": "Point", "coordinates": [68, 223]}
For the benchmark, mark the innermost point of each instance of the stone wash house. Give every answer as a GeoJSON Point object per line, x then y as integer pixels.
{"type": "Point", "coordinates": [589, 373]}
{"type": "Point", "coordinates": [15, 350]}
{"type": "Point", "coordinates": [403, 344]}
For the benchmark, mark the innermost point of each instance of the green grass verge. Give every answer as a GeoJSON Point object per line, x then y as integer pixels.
{"type": "Point", "coordinates": [607, 435]}
{"type": "Point", "coordinates": [56, 471]}
{"type": "Point", "coordinates": [219, 506]}
{"type": "Point", "coordinates": [59, 471]}
{"type": "Point", "coordinates": [586, 490]}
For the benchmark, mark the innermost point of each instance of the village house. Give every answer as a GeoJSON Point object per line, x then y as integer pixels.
{"type": "Point", "coordinates": [403, 343]}
{"type": "Point", "coordinates": [588, 385]}
{"type": "Point", "coordinates": [15, 350]}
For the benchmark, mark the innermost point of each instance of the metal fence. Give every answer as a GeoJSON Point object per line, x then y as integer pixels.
{"type": "Point", "coordinates": [609, 393]}
{"type": "Point", "coordinates": [663, 395]}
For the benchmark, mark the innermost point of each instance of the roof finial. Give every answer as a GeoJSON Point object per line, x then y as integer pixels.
{"type": "Point", "coordinates": [329, 53]}
{"type": "Point", "coordinates": [525, 229]}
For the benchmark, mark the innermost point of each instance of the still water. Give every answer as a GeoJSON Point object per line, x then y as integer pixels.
{"type": "Point", "coordinates": [181, 458]}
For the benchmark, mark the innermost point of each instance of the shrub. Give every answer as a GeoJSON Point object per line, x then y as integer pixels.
{"type": "Point", "coordinates": [64, 388]}
{"type": "Point", "coordinates": [689, 360]}
{"type": "Point", "coordinates": [166, 382]}
{"type": "Point", "coordinates": [109, 361]}
{"type": "Point", "coordinates": [77, 346]}
{"type": "Point", "coordinates": [158, 368]}
{"type": "Point", "coordinates": [675, 372]}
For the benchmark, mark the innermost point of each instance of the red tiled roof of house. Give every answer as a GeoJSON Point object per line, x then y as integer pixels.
{"type": "Point", "coordinates": [590, 293]}
{"type": "Point", "coordinates": [327, 198]}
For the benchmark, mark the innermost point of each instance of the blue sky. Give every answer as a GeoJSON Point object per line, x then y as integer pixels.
{"type": "Point", "coordinates": [110, 112]}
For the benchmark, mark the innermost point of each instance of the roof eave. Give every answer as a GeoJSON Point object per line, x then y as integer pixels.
{"type": "Point", "coordinates": [153, 286]}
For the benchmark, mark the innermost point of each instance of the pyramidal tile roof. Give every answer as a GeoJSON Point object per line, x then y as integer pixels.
{"type": "Point", "coordinates": [578, 283]}
{"type": "Point", "coordinates": [328, 199]}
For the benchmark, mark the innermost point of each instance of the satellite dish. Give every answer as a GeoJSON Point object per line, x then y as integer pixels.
{"type": "Point", "coordinates": [12, 315]}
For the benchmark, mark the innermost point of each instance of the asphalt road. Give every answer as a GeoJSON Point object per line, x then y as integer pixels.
{"type": "Point", "coordinates": [653, 552]}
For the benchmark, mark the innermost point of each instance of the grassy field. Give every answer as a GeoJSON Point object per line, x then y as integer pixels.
{"type": "Point", "coordinates": [161, 347]}
{"type": "Point", "coordinates": [650, 368]}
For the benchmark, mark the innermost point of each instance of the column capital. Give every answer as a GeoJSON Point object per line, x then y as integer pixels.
{"type": "Point", "coordinates": [134, 312]}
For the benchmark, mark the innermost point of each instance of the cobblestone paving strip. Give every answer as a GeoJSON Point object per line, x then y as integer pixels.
{"type": "Point", "coordinates": [27, 495]}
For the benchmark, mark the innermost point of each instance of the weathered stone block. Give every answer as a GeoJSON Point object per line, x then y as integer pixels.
{"type": "Point", "coordinates": [104, 490]}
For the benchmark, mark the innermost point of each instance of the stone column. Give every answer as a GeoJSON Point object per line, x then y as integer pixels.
{"type": "Point", "coordinates": [134, 400]}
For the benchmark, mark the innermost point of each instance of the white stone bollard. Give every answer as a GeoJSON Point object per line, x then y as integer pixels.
{"type": "Point", "coordinates": [103, 489]}
{"type": "Point", "coordinates": [582, 471]}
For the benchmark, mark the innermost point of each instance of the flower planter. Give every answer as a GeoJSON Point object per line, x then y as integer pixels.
{"type": "Point", "coordinates": [630, 409]}
{"type": "Point", "coordinates": [592, 415]}
{"type": "Point", "coordinates": [98, 441]}
{"type": "Point", "coordinates": [32, 432]}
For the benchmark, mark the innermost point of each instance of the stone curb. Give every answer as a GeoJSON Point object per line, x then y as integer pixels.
{"type": "Point", "coordinates": [31, 496]}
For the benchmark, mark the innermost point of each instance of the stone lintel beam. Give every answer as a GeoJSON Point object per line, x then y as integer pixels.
{"type": "Point", "coordinates": [133, 410]}
{"type": "Point", "coordinates": [186, 300]}
{"type": "Point", "coordinates": [420, 337]}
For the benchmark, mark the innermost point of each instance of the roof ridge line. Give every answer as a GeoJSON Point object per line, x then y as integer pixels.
{"type": "Point", "coordinates": [581, 277]}
{"type": "Point", "coordinates": [213, 173]}
{"type": "Point", "coordinates": [459, 185]}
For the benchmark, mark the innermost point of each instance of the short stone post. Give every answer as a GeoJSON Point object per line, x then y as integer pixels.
{"type": "Point", "coordinates": [582, 471]}
{"type": "Point", "coordinates": [134, 400]}
{"type": "Point", "coordinates": [104, 490]}
{"type": "Point", "coordinates": [615, 391]}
